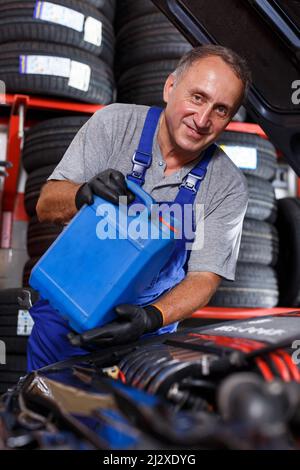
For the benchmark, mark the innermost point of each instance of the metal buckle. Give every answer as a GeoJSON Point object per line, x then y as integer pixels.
{"type": "Point", "coordinates": [136, 172]}
{"type": "Point", "coordinates": [139, 167]}
{"type": "Point", "coordinates": [191, 180]}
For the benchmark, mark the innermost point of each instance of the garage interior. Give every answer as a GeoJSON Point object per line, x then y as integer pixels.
{"type": "Point", "coordinates": [193, 390]}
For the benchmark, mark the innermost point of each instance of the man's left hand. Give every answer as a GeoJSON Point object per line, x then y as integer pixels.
{"type": "Point", "coordinates": [132, 322]}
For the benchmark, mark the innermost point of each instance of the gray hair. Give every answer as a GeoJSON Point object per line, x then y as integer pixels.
{"type": "Point", "coordinates": [235, 61]}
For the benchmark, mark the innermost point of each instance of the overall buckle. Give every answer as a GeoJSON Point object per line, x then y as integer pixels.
{"type": "Point", "coordinates": [139, 168]}
{"type": "Point", "coordinates": [191, 181]}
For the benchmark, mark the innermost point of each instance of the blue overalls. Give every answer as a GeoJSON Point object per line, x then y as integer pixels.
{"type": "Point", "coordinates": [48, 342]}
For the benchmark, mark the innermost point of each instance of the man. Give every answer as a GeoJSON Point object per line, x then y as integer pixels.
{"type": "Point", "coordinates": [202, 96]}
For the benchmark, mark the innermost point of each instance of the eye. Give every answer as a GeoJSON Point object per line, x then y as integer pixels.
{"type": "Point", "coordinates": [222, 111]}
{"type": "Point", "coordinates": [198, 98]}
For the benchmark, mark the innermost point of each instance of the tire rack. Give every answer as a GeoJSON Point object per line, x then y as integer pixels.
{"type": "Point", "coordinates": [19, 105]}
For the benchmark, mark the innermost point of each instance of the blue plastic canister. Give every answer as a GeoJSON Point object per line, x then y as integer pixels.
{"type": "Point", "coordinates": [84, 277]}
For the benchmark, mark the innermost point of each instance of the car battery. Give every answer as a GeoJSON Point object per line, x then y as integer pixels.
{"type": "Point", "coordinates": [106, 256]}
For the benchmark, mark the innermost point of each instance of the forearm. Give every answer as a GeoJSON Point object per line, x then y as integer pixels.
{"type": "Point", "coordinates": [57, 202]}
{"type": "Point", "coordinates": [194, 292]}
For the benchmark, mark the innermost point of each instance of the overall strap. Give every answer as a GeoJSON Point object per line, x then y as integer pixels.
{"type": "Point", "coordinates": [191, 184]}
{"type": "Point", "coordinates": [142, 158]}
{"type": "Point", "coordinates": [188, 191]}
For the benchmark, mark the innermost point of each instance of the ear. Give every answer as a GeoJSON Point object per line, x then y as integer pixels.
{"type": "Point", "coordinates": [168, 88]}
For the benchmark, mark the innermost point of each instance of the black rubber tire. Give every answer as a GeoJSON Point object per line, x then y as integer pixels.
{"type": "Point", "coordinates": [14, 364]}
{"type": "Point", "coordinates": [9, 316]}
{"type": "Point", "coordinates": [266, 152]}
{"type": "Point", "coordinates": [27, 270]}
{"type": "Point", "coordinates": [262, 203]}
{"type": "Point", "coordinates": [9, 319]}
{"type": "Point", "coordinates": [147, 39]}
{"type": "Point", "coordinates": [11, 377]}
{"type": "Point", "coordinates": [255, 286]}
{"type": "Point", "coordinates": [288, 267]}
{"type": "Point", "coordinates": [33, 187]}
{"type": "Point", "coordinates": [101, 83]}
{"type": "Point", "coordinates": [31, 199]}
{"type": "Point", "coordinates": [46, 143]}
{"type": "Point", "coordinates": [127, 10]}
{"type": "Point", "coordinates": [5, 386]}
{"type": "Point", "coordinates": [144, 83]}
{"type": "Point", "coordinates": [16, 344]}
{"type": "Point", "coordinates": [48, 152]}
{"type": "Point", "coordinates": [259, 243]}
{"type": "Point", "coordinates": [107, 7]}
{"type": "Point", "coordinates": [10, 332]}
{"type": "Point", "coordinates": [17, 23]}
{"type": "Point", "coordinates": [40, 236]}
{"type": "Point", "coordinates": [38, 176]}
{"type": "Point", "coordinates": [54, 127]}
{"type": "Point", "coordinates": [36, 228]}
{"type": "Point", "coordinates": [9, 297]}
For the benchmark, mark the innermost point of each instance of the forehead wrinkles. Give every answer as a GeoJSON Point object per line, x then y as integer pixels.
{"type": "Point", "coordinates": [219, 85]}
{"type": "Point", "coordinates": [196, 77]}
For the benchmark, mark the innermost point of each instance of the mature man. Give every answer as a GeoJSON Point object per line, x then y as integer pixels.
{"type": "Point", "coordinates": [201, 95]}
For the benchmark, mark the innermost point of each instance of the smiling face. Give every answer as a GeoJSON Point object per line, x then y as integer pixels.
{"type": "Point", "coordinates": [200, 104]}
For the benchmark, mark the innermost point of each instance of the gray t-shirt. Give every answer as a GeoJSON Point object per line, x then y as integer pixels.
{"type": "Point", "coordinates": [110, 138]}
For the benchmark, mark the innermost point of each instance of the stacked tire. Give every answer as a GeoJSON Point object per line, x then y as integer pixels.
{"type": "Point", "coordinates": [44, 147]}
{"type": "Point", "coordinates": [256, 283]}
{"type": "Point", "coordinates": [15, 327]}
{"type": "Point", "coordinates": [148, 48]}
{"type": "Point", "coordinates": [64, 48]}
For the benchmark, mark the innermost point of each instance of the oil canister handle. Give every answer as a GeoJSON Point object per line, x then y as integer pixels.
{"type": "Point", "coordinates": [141, 194]}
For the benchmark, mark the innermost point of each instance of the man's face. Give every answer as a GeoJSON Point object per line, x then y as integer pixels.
{"type": "Point", "coordinates": [200, 104]}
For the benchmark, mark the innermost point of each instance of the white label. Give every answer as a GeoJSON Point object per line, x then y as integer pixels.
{"type": "Point", "coordinates": [45, 65]}
{"type": "Point", "coordinates": [25, 323]}
{"type": "Point", "coordinates": [80, 76]}
{"type": "Point", "coordinates": [242, 157]}
{"type": "Point", "coordinates": [58, 14]}
{"type": "Point", "coordinates": [93, 31]}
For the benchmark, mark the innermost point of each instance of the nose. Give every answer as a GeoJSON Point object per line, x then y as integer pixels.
{"type": "Point", "coordinates": [202, 117]}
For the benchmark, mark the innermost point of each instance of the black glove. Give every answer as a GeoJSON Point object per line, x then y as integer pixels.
{"type": "Point", "coordinates": [132, 322]}
{"type": "Point", "coordinates": [109, 184]}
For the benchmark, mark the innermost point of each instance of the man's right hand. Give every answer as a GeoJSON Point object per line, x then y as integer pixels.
{"type": "Point", "coordinates": [109, 184]}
